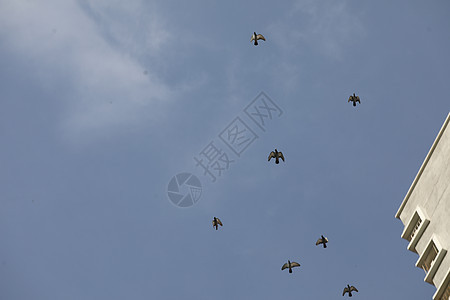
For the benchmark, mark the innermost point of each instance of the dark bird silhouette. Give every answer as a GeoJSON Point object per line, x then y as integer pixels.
{"type": "Point", "coordinates": [256, 37]}
{"type": "Point", "coordinates": [277, 155]}
{"type": "Point", "coordinates": [323, 240]}
{"type": "Point", "coordinates": [216, 222]}
{"type": "Point", "coordinates": [353, 98]}
{"type": "Point", "coordinates": [290, 265]}
{"type": "Point", "coordinates": [349, 289]}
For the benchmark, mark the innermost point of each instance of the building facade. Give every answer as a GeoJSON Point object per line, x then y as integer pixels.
{"type": "Point", "coordinates": [425, 213]}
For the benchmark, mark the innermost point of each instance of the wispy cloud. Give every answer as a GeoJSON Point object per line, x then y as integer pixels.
{"type": "Point", "coordinates": [326, 27]}
{"type": "Point", "coordinates": [94, 52]}
{"type": "Point", "coordinates": [135, 27]}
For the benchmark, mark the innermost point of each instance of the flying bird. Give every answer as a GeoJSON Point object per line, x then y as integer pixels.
{"type": "Point", "coordinates": [277, 155]}
{"type": "Point", "coordinates": [290, 265]}
{"type": "Point", "coordinates": [323, 240]}
{"type": "Point", "coordinates": [353, 98]}
{"type": "Point", "coordinates": [256, 37]}
{"type": "Point", "coordinates": [349, 289]}
{"type": "Point", "coordinates": [216, 222]}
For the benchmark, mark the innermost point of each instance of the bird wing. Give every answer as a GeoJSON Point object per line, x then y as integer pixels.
{"type": "Point", "coordinates": [271, 155]}
{"type": "Point", "coordinates": [219, 222]}
{"type": "Point", "coordinates": [357, 99]}
{"type": "Point", "coordinates": [294, 264]}
{"type": "Point", "coordinates": [319, 241]}
{"type": "Point", "coordinates": [253, 38]}
{"type": "Point", "coordinates": [350, 99]}
{"type": "Point", "coordinates": [260, 37]}
{"type": "Point", "coordinates": [352, 288]}
{"type": "Point", "coordinates": [285, 266]}
{"type": "Point", "coordinates": [326, 240]}
{"type": "Point", "coordinates": [281, 155]}
{"type": "Point", "coordinates": [214, 222]}
{"type": "Point", "coordinates": [345, 291]}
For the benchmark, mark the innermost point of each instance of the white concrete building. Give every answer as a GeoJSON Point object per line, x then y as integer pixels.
{"type": "Point", "coordinates": [425, 213]}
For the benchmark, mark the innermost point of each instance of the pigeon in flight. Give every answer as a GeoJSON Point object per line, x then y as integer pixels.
{"type": "Point", "coordinates": [323, 240]}
{"type": "Point", "coordinates": [216, 222]}
{"type": "Point", "coordinates": [256, 37]}
{"type": "Point", "coordinates": [277, 155]}
{"type": "Point", "coordinates": [349, 289]}
{"type": "Point", "coordinates": [290, 265]}
{"type": "Point", "coordinates": [353, 98]}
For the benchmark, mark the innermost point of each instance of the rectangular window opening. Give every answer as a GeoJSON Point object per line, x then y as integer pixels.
{"type": "Point", "coordinates": [446, 294]}
{"type": "Point", "coordinates": [429, 257]}
{"type": "Point", "coordinates": [414, 230]}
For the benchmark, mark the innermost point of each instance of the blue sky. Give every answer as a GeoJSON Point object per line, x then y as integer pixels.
{"type": "Point", "coordinates": [103, 102]}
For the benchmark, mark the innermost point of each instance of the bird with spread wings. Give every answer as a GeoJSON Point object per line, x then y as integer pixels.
{"type": "Point", "coordinates": [349, 289]}
{"type": "Point", "coordinates": [290, 265]}
{"type": "Point", "coordinates": [256, 37]}
{"type": "Point", "coordinates": [216, 222]}
{"type": "Point", "coordinates": [277, 155]}
{"type": "Point", "coordinates": [353, 98]}
{"type": "Point", "coordinates": [323, 240]}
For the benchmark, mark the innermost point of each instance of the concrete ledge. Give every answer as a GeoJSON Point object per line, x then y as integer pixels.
{"type": "Point", "coordinates": [410, 227]}
{"type": "Point", "coordinates": [436, 262]}
{"type": "Point", "coordinates": [412, 244]}
{"type": "Point", "coordinates": [435, 266]}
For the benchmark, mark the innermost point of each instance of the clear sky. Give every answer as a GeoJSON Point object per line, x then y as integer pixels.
{"type": "Point", "coordinates": [102, 102]}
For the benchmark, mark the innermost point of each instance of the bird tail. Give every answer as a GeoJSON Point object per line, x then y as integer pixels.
{"type": "Point", "coordinates": [290, 270]}
{"type": "Point", "coordinates": [349, 294]}
{"type": "Point", "coordinates": [354, 103]}
{"type": "Point", "coordinates": [324, 245]}
{"type": "Point", "coordinates": [277, 161]}
{"type": "Point", "coordinates": [256, 42]}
